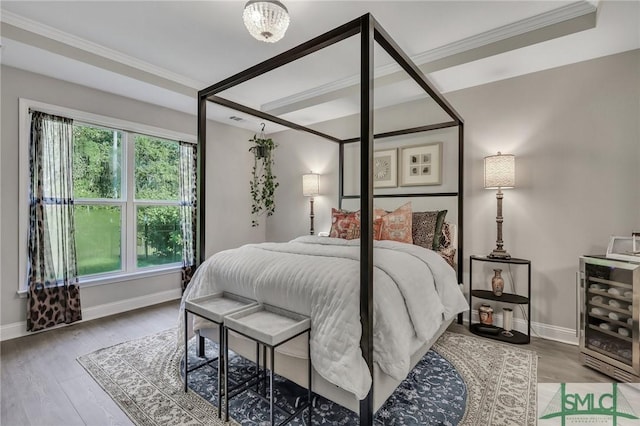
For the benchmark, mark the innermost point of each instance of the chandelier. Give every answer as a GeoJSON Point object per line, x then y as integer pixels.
{"type": "Point", "coordinates": [266, 20]}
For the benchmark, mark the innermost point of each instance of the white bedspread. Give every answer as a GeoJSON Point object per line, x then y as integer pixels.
{"type": "Point", "coordinates": [414, 292]}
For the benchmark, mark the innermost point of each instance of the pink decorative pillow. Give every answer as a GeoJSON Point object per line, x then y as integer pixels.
{"type": "Point", "coordinates": [345, 224]}
{"type": "Point", "coordinates": [377, 222]}
{"type": "Point", "coordinates": [396, 226]}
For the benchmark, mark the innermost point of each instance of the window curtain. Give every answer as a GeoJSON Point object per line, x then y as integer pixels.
{"type": "Point", "coordinates": [53, 290]}
{"type": "Point", "coordinates": [188, 171]}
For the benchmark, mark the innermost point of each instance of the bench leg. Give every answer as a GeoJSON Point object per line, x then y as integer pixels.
{"type": "Point", "coordinates": [271, 396]}
{"type": "Point", "coordinates": [186, 350]}
{"type": "Point", "coordinates": [264, 369]}
{"type": "Point", "coordinates": [200, 346]}
{"type": "Point", "coordinates": [309, 381]}
{"type": "Point", "coordinates": [221, 363]}
{"type": "Point", "coordinates": [257, 368]}
{"type": "Point", "coordinates": [226, 375]}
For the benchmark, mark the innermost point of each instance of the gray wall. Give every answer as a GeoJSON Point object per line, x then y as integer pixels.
{"type": "Point", "coordinates": [575, 133]}
{"type": "Point", "coordinates": [297, 154]}
{"type": "Point", "coordinates": [229, 166]}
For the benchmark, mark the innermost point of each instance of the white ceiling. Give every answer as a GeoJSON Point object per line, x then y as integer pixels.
{"type": "Point", "coordinates": [162, 52]}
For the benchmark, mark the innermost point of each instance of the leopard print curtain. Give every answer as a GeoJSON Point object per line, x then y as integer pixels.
{"type": "Point", "coordinates": [188, 191]}
{"type": "Point", "coordinates": [53, 293]}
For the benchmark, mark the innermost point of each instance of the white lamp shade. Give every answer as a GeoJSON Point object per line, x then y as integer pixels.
{"type": "Point", "coordinates": [310, 184]}
{"type": "Point", "coordinates": [499, 171]}
{"type": "Point", "coordinates": [266, 20]}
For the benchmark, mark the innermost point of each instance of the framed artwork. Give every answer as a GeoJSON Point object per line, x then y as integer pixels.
{"type": "Point", "coordinates": [421, 165]}
{"type": "Point", "coordinates": [385, 168]}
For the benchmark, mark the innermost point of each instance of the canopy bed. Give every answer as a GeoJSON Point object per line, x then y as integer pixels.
{"type": "Point", "coordinates": [360, 394]}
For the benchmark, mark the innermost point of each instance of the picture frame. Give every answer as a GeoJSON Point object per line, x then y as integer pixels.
{"type": "Point", "coordinates": [421, 165]}
{"type": "Point", "coordinates": [385, 168]}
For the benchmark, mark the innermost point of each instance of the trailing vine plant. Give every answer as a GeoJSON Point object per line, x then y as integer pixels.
{"type": "Point", "coordinates": [263, 183]}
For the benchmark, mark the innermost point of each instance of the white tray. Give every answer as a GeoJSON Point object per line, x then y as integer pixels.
{"type": "Point", "coordinates": [215, 307]}
{"type": "Point", "coordinates": [268, 324]}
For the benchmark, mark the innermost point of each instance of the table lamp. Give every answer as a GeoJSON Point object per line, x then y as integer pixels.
{"type": "Point", "coordinates": [311, 188]}
{"type": "Point", "coordinates": [499, 172]}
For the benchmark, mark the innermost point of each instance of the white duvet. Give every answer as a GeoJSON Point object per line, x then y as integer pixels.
{"type": "Point", "coordinates": [415, 290]}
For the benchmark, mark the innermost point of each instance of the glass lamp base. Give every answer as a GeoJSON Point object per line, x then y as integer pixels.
{"type": "Point", "coordinates": [506, 333]}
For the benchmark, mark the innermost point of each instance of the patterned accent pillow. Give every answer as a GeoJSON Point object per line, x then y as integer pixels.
{"type": "Point", "coordinates": [396, 226]}
{"type": "Point", "coordinates": [449, 254]}
{"type": "Point", "coordinates": [345, 224]}
{"type": "Point", "coordinates": [427, 228]}
{"type": "Point", "coordinates": [447, 250]}
{"type": "Point", "coordinates": [446, 238]}
{"type": "Point", "coordinates": [377, 222]}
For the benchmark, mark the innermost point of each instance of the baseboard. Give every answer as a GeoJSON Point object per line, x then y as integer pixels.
{"type": "Point", "coordinates": [19, 329]}
{"type": "Point", "coordinates": [538, 329]}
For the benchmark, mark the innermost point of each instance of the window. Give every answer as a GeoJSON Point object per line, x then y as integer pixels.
{"type": "Point", "coordinates": [98, 198]}
{"type": "Point", "coordinates": [157, 171]}
{"type": "Point", "coordinates": [127, 217]}
{"type": "Point", "coordinates": [126, 191]}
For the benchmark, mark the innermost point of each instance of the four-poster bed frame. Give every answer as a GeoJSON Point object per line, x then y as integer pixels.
{"type": "Point", "coordinates": [370, 31]}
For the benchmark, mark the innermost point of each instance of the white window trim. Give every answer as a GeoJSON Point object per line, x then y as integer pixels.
{"type": "Point", "coordinates": [96, 280]}
{"type": "Point", "coordinates": [23, 184]}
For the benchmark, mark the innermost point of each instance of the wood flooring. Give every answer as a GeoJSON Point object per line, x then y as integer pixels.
{"type": "Point", "coordinates": [42, 384]}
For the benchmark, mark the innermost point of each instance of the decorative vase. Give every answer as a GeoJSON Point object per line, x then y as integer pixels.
{"type": "Point", "coordinates": [485, 312]}
{"type": "Point", "coordinates": [497, 282]}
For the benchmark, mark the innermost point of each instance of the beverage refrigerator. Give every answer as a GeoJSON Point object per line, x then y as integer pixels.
{"type": "Point", "coordinates": [609, 309]}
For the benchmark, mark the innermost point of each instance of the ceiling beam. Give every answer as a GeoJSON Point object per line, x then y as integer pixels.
{"type": "Point", "coordinates": [569, 19]}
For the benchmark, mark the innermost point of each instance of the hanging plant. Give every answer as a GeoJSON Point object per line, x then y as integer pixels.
{"type": "Point", "coordinates": [263, 183]}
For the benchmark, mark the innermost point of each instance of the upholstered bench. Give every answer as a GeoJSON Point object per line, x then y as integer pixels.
{"type": "Point", "coordinates": [215, 308]}
{"type": "Point", "coordinates": [269, 327]}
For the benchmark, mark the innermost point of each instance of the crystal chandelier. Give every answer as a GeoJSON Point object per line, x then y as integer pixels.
{"type": "Point", "coordinates": [266, 20]}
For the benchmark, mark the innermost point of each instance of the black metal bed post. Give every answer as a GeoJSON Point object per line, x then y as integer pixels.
{"type": "Point", "coordinates": [460, 205]}
{"type": "Point", "coordinates": [201, 177]}
{"type": "Point", "coordinates": [367, 26]}
{"type": "Point", "coordinates": [340, 174]}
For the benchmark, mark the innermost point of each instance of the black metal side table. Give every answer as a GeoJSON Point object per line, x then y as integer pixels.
{"type": "Point", "coordinates": [494, 332]}
{"type": "Point", "coordinates": [269, 327]}
{"type": "Point", "coordinates": [214, 307]}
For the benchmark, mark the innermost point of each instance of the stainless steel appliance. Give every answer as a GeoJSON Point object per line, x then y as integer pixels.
{"type": "Point", "coordinates": [609, 300]}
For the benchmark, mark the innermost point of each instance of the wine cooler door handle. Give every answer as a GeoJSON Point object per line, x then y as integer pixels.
{"type": "Point", "coordinates": [579, 305]}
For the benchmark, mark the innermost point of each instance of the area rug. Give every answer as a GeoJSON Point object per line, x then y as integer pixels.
{"type": "Point", "coordinates": [463, 380]}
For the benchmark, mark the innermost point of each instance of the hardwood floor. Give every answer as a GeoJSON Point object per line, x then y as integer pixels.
{"type": "Point", "coordinates": [557, 362]}
{"type": "Point", "coordinates": [43, 385]}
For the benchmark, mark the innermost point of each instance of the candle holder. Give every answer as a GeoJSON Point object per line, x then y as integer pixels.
{"type": "Point", "coordinates": [507, 322]}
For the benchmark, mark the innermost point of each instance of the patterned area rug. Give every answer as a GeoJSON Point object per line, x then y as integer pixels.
{"type": "Point", "coordinates": [464, 380]}
{"type": "Point", "coordinates": [432, 394]}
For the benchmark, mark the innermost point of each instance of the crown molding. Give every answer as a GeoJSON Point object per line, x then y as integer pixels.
{"type": "Point", "coordinates": [555, 16]}
{"type": "Point", "coordinates": [51, 33]}
{"type": "Point", "coordinates": [559, 15]}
